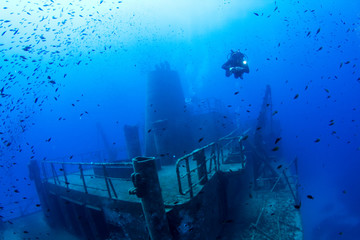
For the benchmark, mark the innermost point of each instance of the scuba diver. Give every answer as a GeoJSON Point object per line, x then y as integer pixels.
{"type": "Point", "coordinates": [236, 64]}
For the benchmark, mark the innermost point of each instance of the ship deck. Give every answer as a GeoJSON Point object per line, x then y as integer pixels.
{"type": "Point", "coordinates": [167, 177]}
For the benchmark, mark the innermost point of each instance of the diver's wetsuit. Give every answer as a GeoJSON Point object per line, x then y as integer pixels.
{"type": "Point", "coordinates": [236, 65]}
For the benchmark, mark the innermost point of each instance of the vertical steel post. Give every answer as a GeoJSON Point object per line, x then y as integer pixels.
{"type": "Point", "coordinates": [112, 187]}
{"type": "Point", "coordinates": [147, 187]}
{"type": "Point", "coordinates": [54, 173]}
{"type": "Point", "coordinates": [291, 190]}
{"type": "Point", "coordinates": [106, 181]}
{"type": "Point", "coordinates": [65, 177]}
{"type": "Point", "coordinates": [200, 159]}
{"type": "Point", "coordinates": [83, 178]}
{"type": "Point", "coordinates": [188, 174]}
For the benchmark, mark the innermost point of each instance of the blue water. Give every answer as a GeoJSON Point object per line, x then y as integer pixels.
{"type": "Point", "coordinates": [66, 66]}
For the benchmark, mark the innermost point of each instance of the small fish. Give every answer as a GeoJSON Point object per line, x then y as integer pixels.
{"type": "Point", "coordinates": [326, 90]}
{"type": "Point", "coordinates": [275, 149]}
{"type": "Point", "coordinates": [296, 96]}
{"type": "Point", "coordinates": [27, 48]}
{"type": "Point", "coordinates": [306, 88]}
{"type": "Point", "coordinates": [258, 128]}
{"type": "Point", "coordinates": [277, 140]}
{"type": "Point", "coordinates": [275, 112]}
{"type": "Point", "coordinates": [256, 14]}
{"type": "Point", "coordinates": [48, 140]}
{"type": "Point", "coordinates": [318, 31]}
{"type": "Point", "coordinates": [279, 167]}
{"type": "Point", "coordinates": [236, 93]}
{"type": "Point", "coordinates": [310, 197]}
{"type": "Point", "coordinates": [297, 206]}
{"type": "Point", "coordinates": [149, 130]}
{"type": "Point", "coordinates": [36, 99]}
{"type": "Point", "coordinates": [245, 137]}
{"type": "Point", "coordinates": [317, 140]}
{"type": "Point", "coordinates": [200, 139]}
{"type": "Point", "coordinates": [320, 48]}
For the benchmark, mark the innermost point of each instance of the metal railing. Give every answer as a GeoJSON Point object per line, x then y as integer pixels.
{"type": "Point", "coordinates": [65, 174]}
{"type": "Point", "coordinates": [211, 162]}
{"type": "Point", "coordinates": [206, 161]}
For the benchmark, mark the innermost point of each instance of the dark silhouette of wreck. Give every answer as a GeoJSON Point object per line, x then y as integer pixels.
{"type": "Point", "coordinates": [201, 176]}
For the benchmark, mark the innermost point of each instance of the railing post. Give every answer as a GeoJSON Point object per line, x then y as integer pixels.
{"type": "Point", "coordinates": [54, 174]}
{"type": "Point", "coordinates": [109, 182]}
{"type": "Point", "coordinates": [83, 178]}
{"type": "Point", "coordinates": [242, 154]}
{"type": "Point", "coordinates": [112, 187]}
{"type": "Point", "coordinates": [188, 173]}
{"type": "Point", "coordinates": [291, 190]}
{"type": "Point", "coordinates": [199, 157]}
{"type": "Point", "coordinates": [219, 155]}
{"type": "Point", "coordinates": [65, 177]}
{"type": "Point", "coordinates": [147, 187]}
{"type": "Point", "coordinates": [106, 181]}
{"type": "Point", "coordinates": [213, 158]}
{"type": "Point", "coordinates": [179, 177]}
